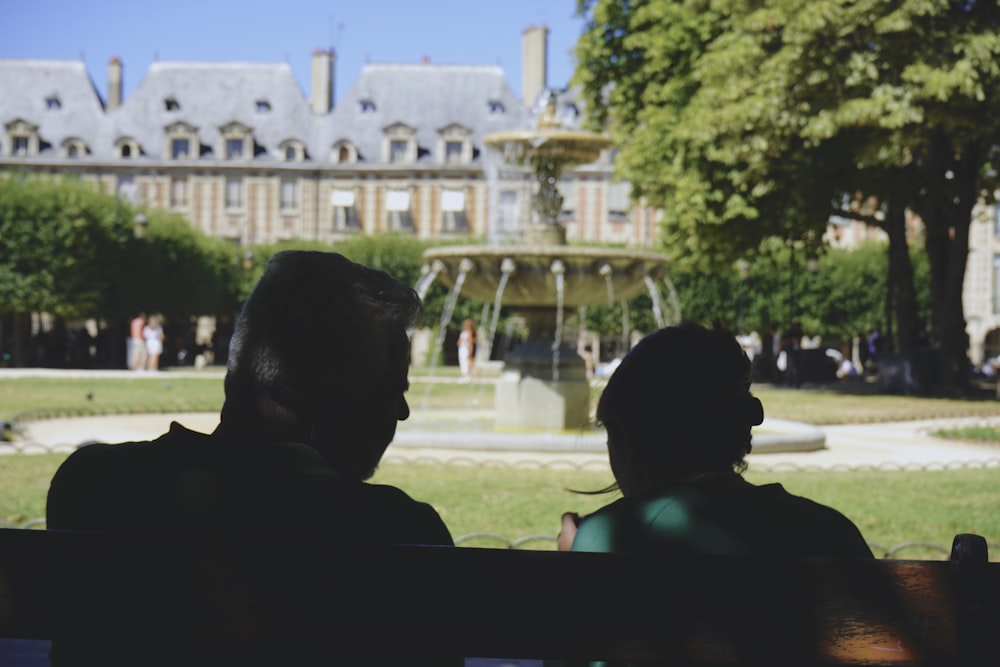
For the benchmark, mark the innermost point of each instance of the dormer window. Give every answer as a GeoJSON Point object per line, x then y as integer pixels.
{"type": "Point", "coordinates": [181, 142]}
{"type": "Point", "coordinates": [455, 144]}
{"type": "Point", "coordinates": [180, 149]}
{"type": "Point", "coordinates": [22, 138]}
{"type": "Point", "coordinates": [52, 103]}
{"type": "Point", "coordinates": [126, 147]}
{"type": "Point", "coordinates": [236, 140]}
{"type": "Point", "coordinates": [263, 106]}
{"type": "Point", "coordinates": [366, 106]}
{"type": "Point", "coordinates": [399, 144]}
{"type": "Point", "coordinates": [73, 148]}
{"type": "Point", "coordinates": [496, 107]}
{"type": "Point", "coordinates": [171, 104]}
{"type": "Point", "coordinates": [234, 149]}
{"type": "Point", "coordinates": [344, 152]}
{"type": "Point", "coordinates": [397, 150]}
{"type": "Point", "coordinates": [291, 150]}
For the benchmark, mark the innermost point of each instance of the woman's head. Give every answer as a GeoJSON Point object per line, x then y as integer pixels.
{"type": "Point", "coordinates": [679, 405]}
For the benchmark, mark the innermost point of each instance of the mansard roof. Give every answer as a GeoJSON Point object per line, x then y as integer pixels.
{"type": "Point", "coordinates": [427, 98]}
{"type": "Point", "coordinates": [57, 96]}
{"type": "Point", "coordinates": [262, 96]}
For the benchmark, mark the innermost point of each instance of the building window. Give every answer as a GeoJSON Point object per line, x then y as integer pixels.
{"type": "Point", "coordinates": [454, 144]}
{"type": "Point", "coordinates": [496, 107]}
{"type": "Point", "coordinates": [290, 154]}
{"type": "Point", "coordinates": [234, 149]}
{"type": "Point", "coordinates": [52, 103]}
{"type": "Point", "coordinates": [180, 149]}
{"type": "Point", "coordinates": [397, 150]}
{"type": "Point", "coordinates": [366, 106]}
{"type": "Point", "coordinates": [127, 189]}
{"type": "Point", "coordinates": [397, 205]}
{"type": "Point", "coordinates": [399, 143]}
{"type": "Point", "coordinates": [619, 201]}
{"type": "Point", "coordinates": [263, 106]}
{"type": "Point", "coordinates": [453, 151]}
{"type": "Point", "coordinates": [20, 146]}
{"type": "Point", "coordinates": [234, 193]}
{"type": "Point", "coordinates": [345, 213]}
{"type": "Point", "coordinates": [178, 192]}
{"type": "Point", "coordinates": [343, 152]}
{"type": "Point", "coordinates": [453, 217]}
{"type": "Point", "coordinates": [996, 219]}
{"type": "Point", "coordinates": [126, 147]}
{"type": "Point", "coordinates": [289, 193]}
{"type": "Point", "coordinates": [72, 151]}
{"type": "Point", "coordinates": [235, 142]}
{"type": "Point", "coordinates": [171, 104]}
{"type": "Point", "coordinates": [508, 220]}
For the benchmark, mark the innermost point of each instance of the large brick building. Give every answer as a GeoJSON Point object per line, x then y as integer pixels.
{"type": "Point", "coordinates": [246, 156]}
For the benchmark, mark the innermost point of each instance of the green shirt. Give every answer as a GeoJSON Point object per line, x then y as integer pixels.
{"type": "Point", "coordinates": [722, 514]}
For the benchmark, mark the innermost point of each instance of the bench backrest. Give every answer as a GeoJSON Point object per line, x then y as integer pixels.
{"type": "Point", "coordinates": [264, 590]}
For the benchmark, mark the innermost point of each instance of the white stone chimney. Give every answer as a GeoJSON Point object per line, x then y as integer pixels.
{"type": "Point", "coordinates": [534, 62]}
{"type": "Point", "coordinates": [114, 83]}
{"type": "Point", "coordinates": [322, 80]}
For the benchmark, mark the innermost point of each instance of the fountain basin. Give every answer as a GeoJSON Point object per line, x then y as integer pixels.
{"type": "Point", "coordinates": [588, 273]}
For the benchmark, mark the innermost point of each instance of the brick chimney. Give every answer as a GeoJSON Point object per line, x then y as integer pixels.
{"type": "Point", "coordinates": [534, 62]}
{"type": "Point", "coordinates": [322, 80]}
{"type": "Point", "coordinates": [114, 83]}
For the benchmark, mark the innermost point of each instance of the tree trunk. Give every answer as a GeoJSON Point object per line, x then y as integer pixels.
{"type": "Point", "coordinates": [901, 287]}
{"type": "Point", "coordinates": [946, 209]}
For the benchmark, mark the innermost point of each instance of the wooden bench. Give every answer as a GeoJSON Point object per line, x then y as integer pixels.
{"type": "Point", "coordinates": [260, 595]}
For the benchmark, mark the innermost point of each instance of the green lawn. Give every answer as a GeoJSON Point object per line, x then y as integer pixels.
{"type": "Point", "coordinates": [849, 403]}
{"type": "Point", "coordinates": [515, 502]}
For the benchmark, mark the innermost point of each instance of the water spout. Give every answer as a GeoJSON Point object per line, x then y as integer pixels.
{"type": "Point", "coordinates": [559, 271]}
{"type": "Point", "coordinates": [427, 275]}
{"type": "Point", "coordinates": [464, 267]}
{"type": "Point", "coordinates": [606, 272]}
{"type": "Point", "coordinates": [507, 267]}
{"type": "Point", "coordinates": [654, 294]}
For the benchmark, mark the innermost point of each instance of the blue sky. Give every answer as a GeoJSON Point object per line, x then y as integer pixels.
{"type": "Point", "coordinates": [475, 32]}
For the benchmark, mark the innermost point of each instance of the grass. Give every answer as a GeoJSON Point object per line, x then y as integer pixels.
{"type": "Point", "coordinates": [848, 403]}
{"type": "Point", "coordinates": [514, 502]}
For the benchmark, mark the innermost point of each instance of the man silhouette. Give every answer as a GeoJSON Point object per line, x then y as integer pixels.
{"type": "Point", "coordinates": [314, 387]}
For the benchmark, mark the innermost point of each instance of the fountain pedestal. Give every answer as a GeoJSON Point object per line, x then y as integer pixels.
{"type": "Point", "coordinates": [542, 386]}
{"type": "Point", "coordinates": [528, 395]}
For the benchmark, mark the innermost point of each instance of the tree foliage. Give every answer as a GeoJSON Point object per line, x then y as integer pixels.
{"type": "Point", "coordinates": [71, 251]}
{"type": "Point", "coordinates": [749, 119]}
{"type": "Point", "coordinates": [53, 236]}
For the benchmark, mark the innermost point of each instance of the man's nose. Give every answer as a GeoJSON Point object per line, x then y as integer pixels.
{"type": "Point", "coordinates": [404, 410]}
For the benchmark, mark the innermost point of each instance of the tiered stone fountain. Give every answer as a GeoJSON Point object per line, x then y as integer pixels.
{"type": "Point", "coordinates": [543, 383]}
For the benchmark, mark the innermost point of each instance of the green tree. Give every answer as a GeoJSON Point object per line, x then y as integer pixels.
{"type": "Point", "coordinates": [778, 112]}
{"type": "Point", "coordinates": [70, 251]}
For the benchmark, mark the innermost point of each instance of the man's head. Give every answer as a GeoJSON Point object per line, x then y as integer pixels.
{"type": "Point", "coordinates": [679, 405]}
{"type": "Point", "coordinates": [319, 354]}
